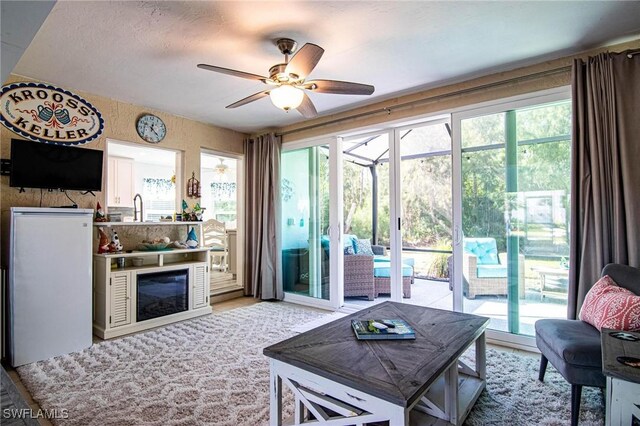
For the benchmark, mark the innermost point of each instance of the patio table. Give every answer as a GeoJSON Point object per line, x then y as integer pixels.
{"type": "Point", "coordinates": [559, 274]}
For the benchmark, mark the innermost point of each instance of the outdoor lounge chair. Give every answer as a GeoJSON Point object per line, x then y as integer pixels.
{"type": "Point", "coordinates": [358, 276]}
{"type": "Point", "coordinates": [485, 271]}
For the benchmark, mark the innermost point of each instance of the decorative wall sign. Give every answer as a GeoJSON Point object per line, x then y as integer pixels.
{"type": "Point", "coordinates": [44, 113]}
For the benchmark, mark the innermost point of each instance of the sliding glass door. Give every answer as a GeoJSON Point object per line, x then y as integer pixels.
{"type": "Point", "coordinates": [512, 187]}
{"type": "Point", "coordinates": [308, 225]}
{"type": "Point", "coordinates": [425, 197]}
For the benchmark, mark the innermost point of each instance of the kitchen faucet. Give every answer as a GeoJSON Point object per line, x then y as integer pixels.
{"type": "Point", "coordinates": [135, 210]}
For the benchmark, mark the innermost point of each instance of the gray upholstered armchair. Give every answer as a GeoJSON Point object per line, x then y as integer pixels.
{"type": "Point", "coordinates": [573, 346]}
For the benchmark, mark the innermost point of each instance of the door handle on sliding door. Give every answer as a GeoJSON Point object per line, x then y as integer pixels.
{"type": "Point", "coordinates": [456, 235]}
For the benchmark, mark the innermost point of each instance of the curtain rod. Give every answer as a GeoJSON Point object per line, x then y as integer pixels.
{"type": "Point", "coordinates": [390, 109]}
{"type": "Point", "coordinates": [633, 53]}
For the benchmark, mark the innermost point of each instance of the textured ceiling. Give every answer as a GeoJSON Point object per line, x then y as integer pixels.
{"type": "Point", "coordinates": [146, 52]}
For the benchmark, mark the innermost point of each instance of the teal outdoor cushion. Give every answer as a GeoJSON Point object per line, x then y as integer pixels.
{"type": "Point", "coordinates": [382, 269]}
{"type": "Point", "coordinates": [350, 240]}
{"type": "Point", "coordinates": [409, 261]}
{"type": "Point", "coordinates": [324, 242]}
{"type": "Point", "coordinates": [492, 271]}
{"type": "Point", "coordinates": [485, 249]}
{"type": "Point", "coordinates": [347, 241]}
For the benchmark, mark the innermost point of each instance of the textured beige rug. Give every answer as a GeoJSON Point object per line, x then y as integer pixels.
{"type": "Point", "coordinates": [211, 371]}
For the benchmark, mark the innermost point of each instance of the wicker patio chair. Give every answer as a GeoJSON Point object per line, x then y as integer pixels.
{"type": "Point", "coordinates": [473, 285]}
{"type": "Point", "coordinates": [358, 276]}
{"type": "Point", "coordinates": [480, 286]}
{"type": "Point", "coordinates": [383, 286]}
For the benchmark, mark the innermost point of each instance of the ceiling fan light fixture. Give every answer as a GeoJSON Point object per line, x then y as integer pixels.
{"type": "Point", "coordinates": [286, 97]}
{"type": "Point", "coordinates": [221, 168]}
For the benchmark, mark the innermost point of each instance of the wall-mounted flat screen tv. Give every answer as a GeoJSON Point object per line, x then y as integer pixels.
{"type": "Point", "coordinates": [47, 166]}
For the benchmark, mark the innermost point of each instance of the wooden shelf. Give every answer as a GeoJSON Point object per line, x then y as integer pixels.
{"type": "Point", "coordinates": [172, 265]}
{"type": "Point", "coordinates": [140, 253]}
{"type": "Point", "coordinates": [110, 224]}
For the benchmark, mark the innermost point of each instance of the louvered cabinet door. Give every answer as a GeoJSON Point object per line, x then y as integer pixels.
{"type": "Point", "coordinates": [120, 300]}
{"type": "Point", "coordinates": [200, 286]}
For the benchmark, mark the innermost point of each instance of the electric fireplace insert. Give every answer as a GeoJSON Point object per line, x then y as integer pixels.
{"type": "Point", "coordinates": [162, 293]}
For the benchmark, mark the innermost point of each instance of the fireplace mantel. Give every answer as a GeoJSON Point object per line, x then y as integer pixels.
{"type": "Point", "coordinates": [115, 289]}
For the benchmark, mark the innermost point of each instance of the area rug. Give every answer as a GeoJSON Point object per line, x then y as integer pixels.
{"type": "Point", "coordinates": [211, 371]}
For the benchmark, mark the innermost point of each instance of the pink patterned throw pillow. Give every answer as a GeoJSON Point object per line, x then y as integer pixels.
{"type": "Point", "coordinates": [608, 305]}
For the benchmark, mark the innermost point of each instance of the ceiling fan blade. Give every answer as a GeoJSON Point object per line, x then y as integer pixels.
{"type": "Point", "coordinates": [304, 60]}
{"type": "Point", "coordinates": [306, 108]}
{"type": "Point", "coordinates": [249, 99]}
{"type": "Point", "coordinates": [339, 87]}
{"type": "Point", "coordinates": [234, 73]}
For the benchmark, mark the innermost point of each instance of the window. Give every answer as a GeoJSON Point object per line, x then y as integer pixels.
{"type": "Point", "coordinates": [219, 187]}
{"type": "Point", "coordinates": [150, 172]}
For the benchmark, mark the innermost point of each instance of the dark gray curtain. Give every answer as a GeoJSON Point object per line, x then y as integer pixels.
{"type": "Point", "coordinates": [605, 181]}
{"type": "Point", "coordinates": [263, 257]}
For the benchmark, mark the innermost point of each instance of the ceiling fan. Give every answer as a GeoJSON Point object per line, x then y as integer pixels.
{"type": "Point", "coordinates": [288, 80]}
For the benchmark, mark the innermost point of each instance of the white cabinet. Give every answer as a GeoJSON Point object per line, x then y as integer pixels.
{"type": "Point", "coordinates": [116, 295]}
{"type": "Point", "coordinates": [120, 183]}
{"type": "Point", "coordinates": [120, 299]}
{"type": "Point", "coordinates": [232, 260]}
{"type": "Point", "coordinates": [623, 402]}
{"type": "Point", "coordinates": [200, 287]}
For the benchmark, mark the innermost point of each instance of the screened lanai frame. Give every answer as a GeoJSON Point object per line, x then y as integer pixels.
{"type": "Point", "coordinates": [369, 150]}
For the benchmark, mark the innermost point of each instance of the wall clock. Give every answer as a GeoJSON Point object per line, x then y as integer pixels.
{"type": "Point", "coordinates": [151, 128]}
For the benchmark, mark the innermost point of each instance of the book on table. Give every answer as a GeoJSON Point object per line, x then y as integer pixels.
{"type": "Point", "coordinates": [382, 329]}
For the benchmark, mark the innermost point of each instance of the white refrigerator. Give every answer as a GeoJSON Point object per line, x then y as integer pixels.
{"type": "Point", "coordinates": [50, 294]}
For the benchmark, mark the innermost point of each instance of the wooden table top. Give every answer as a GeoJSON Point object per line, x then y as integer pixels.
{"type": "Point", "coordinates": [398, 371]}
{"type": "Point", "coordinates": [613, 348]}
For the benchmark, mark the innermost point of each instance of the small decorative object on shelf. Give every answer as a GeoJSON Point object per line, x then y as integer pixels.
{"type": "Point", "coordinates": [193, 186]}
{"type": "Point", "coordinates": [100, 216]}
{"type": "Point", "coordinates": [103, 244]}
{"type": "Point", "coordinates": [192, 238]}
{"type": "Point", "coordinates": [115, 246]}
{"type": "Point", "coordinates": [198, 211]}
{"type": "Point", "coordinates": [157, 244]}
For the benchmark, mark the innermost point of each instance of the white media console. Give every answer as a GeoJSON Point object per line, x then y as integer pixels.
{"type": "Point", "coordinates": [169, 286]}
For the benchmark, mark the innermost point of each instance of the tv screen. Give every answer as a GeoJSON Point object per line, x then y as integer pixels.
{"type": "Point", "coordinates": [40, 165]}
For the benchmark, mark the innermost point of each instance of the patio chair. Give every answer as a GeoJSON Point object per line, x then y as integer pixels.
{"type": "Point", "coordinates": [215, 237]}
{"type": "Point", "coordinates": [574, 347]}
{"type": "Point", "coordinates": [358, 276]}
{"type": "Point", "coordinates": [382, 278]}
{"type": "Point", "coordinates": [485, 271]}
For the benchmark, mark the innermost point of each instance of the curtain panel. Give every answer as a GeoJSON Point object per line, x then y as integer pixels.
{"type": "Point", "coordinates": [605, 181]}
{"type": "Point", "coordinates": [263, 256]}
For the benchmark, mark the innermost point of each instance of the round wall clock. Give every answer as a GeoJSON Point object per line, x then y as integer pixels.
{"type": "Point", "coordinates": [151, 128]}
